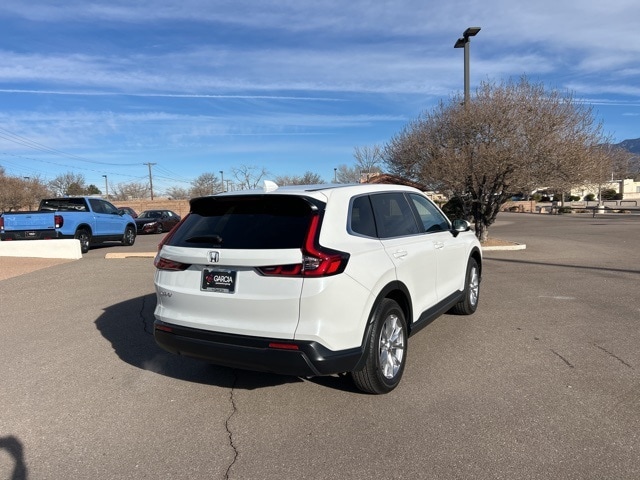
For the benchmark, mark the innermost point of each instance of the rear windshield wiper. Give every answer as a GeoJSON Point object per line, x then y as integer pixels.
{"type": "Point", "coordinates": [210, 239]}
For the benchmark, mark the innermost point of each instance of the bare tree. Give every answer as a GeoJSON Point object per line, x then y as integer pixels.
{"type": "Point", "coordinates": [509, 137]}
{"type": "Point", "coordinates": [206, 184]}
{"type": "Point", "coordinates": [346, 174]}
{"type": "Point", "coordinates": [68, 184]}
{"type": "Point", "coordinates": [368, 160]}
{"type": "Point", "coordinates": [309, 178]}
{"type": "Point", "coordinates": [129, 191]}
{"type": "Point", "coordinates": [21, 193]}
{"type": "Point", "coordinates": [248, 176]}
{"type": "Point", "coordinates": [178, 193]}
{"type": "Point", "coordinates": [607, 163]}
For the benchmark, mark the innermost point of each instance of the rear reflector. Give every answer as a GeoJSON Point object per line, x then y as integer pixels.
{"type": "Point", "coordinates": [283, 346]}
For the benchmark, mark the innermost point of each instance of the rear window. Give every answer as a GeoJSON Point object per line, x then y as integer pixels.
{"type": "Point", "coordinates": [63, 204]}
{"type": "Point", "coordinates": [245, 222]}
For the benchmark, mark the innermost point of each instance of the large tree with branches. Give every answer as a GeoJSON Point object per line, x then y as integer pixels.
{"type": "Point", "coordinates": [509, 137]}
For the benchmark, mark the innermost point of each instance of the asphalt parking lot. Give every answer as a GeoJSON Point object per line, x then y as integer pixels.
{"type": "Point", "coordinates": [542, 382]}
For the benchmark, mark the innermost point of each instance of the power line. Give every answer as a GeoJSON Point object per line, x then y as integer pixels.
{"type": "Point", "coordinates": [70, 166]}
{"type": "Point", "coordinates": [25, 142]}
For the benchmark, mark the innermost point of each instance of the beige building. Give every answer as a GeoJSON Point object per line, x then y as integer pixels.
{"type": "Point", "coordinates": [629, 188]}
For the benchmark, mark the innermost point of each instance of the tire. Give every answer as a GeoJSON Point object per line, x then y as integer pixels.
{"type": "Point", "coordinates": [159, 228]}
{"type": "Point", "coordinates": [129, 237]}
{"type": "Point", "coordinates": [469, 303]}
{"type": "Point", "coordinates": [85, 239]}
{"type": "Point", "coordinates": [386, 351]}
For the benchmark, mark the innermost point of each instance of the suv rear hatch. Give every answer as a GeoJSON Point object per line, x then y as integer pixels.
{"type": "Point", "coordinates": [237, 263]}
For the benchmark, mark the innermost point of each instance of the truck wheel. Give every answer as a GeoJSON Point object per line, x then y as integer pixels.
{"type": "Point", "coordinates": [85, 239]}
{"type": "Point", "coordinates": [129, 237]}
{"type": "Point", "coordinates": [386, 350]}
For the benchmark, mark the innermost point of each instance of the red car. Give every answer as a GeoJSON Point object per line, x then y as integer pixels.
{"type": "Point", "coordinates": [156, 221]}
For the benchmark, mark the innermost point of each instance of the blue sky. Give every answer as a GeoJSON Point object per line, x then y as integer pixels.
{"type": "Point", "coordinates": [104, 87]}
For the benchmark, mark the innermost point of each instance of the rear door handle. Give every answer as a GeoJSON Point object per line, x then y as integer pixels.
{"type": "Point", "coordinates": [400, 254]}
{"type": "Point", "coordinates": [438, 245]}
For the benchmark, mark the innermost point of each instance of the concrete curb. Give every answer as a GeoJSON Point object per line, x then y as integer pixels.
{"type": "Point", "coordinates": [131, 255]}
{"type": "Point", "coordinates": [54, 248]}
{"type": "Point", "coordinates": [517, 246]}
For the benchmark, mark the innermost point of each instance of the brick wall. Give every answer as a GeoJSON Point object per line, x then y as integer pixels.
{"type": "Point", "coordinates": [181, 207]}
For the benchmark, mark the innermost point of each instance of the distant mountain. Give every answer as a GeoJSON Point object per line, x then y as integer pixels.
{"type": "Point", "coordinates": [632, 146]}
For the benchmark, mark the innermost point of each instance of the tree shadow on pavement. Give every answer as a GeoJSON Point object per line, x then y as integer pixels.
{"type": "Point", "coordinates": [128, 326]}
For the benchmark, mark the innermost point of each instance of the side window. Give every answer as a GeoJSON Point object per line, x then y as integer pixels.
{"type": "Point", "coordinates": [432, 219]}
{"type": "Point", "coordinates": [96, 205]}
{"type": "Point", "coordinates": [361, 219]}
{"type": "Point", "coordinates": [394, 216]}
{"type": "Point", "coordinates": [109, 208]}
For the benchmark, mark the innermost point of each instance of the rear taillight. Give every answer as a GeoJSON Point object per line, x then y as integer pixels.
{"type": "Point", "coordinates": [1, 223]}
{"type": "Point", "coordinates": [317, 261]}
{"type": "Point", "coordinates": [58, 221]}
{"type": "Point", "coordinates": [162, 263]}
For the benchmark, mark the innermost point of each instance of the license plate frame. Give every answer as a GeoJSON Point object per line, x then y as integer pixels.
{"type": "Point", "coordinates": [217, 280]}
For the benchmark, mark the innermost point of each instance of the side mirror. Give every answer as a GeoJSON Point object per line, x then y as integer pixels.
{"type": "Point", "coordinates": [460, 225]}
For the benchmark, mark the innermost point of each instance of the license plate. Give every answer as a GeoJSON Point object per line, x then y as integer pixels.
{"type": "Point", "coordinates": [30, 234]}
{"type": "Point", "coordinates": [223, 281]}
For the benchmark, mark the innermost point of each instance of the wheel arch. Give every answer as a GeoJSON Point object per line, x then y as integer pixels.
{"type": "Point", "coordinates": [476, 254]}
{"type": "Point", "coordinates": [398, 292]}
{"type": "Point", "coordinates": [84, 226]}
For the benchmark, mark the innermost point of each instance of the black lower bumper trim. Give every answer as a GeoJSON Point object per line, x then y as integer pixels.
{"type": "Point", "coordinates": [29, 235]}
{"type": "Point", "coordinates": [254, 353]}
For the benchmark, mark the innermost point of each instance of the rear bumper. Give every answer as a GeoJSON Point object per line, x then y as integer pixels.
{"type": "Point", "coordinates": [29, 234]}
{"type": "Point", "coordinates": [255, 353]}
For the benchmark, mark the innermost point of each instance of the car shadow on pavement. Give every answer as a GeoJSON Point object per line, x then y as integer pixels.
{"type": "Point", "coordinates": [128, 326]}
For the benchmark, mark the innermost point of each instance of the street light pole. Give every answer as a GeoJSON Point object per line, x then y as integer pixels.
{"type": "Point", "coordinates": [222, 180]}
{"type": "Point", "coordinates": [463, 42]}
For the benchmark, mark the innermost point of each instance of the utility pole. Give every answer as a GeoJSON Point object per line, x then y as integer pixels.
{"type": "Point", "coordinates": [106, 186]}
{"type": "Point", "coordinates": [150, 178]}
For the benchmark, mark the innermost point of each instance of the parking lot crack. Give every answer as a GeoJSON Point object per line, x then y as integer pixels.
{"type": "Point", "coordinates": [613, 355]}
{"type": "Point", "coordinates": [227, 424]}
{"type": "Point", "coordinates": [147, 323]}
{"type": "Point", "coordinates": [562, 358]}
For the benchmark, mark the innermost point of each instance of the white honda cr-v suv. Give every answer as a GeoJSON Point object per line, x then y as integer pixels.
{"type": "Point", "coordinates": [312, 280]}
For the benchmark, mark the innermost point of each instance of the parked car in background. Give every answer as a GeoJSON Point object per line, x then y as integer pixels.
{"type": "Point", "coordinates": [128, 211]}
{"type": "Point", "coordinates": [313, 280]}
{"type": "Point", "coordinates": [156, 221]}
